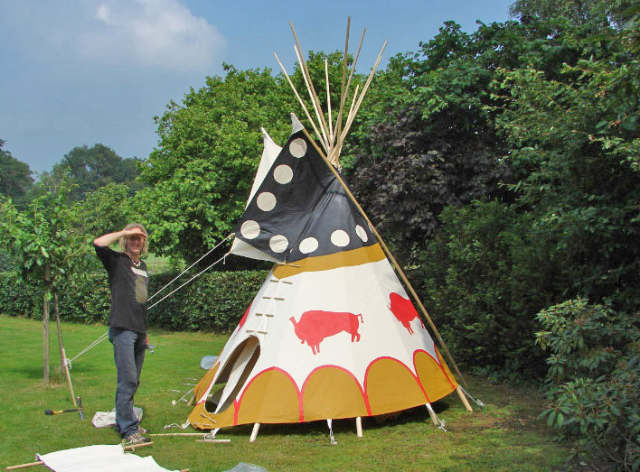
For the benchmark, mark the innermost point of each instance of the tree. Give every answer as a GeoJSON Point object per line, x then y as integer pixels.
{"type": "Point", "coordinates": [200, 175]}
{"type": "Point", "coordinates": [436, 144]}
{"type": "Point", "coordinates": [45, 247]}
{"type": "Point", "coordinates": [429, 164]}
{"type": "Point", "coordinates": [15, 177]}
{"type": "Point", "coordinates": [560, 102]}
{"type": "Point", "coordinates": [108, 208]}
{"type": "Point", "coordinates": [576, 143]}
{"type": "Point", "coordinates": [579, 12]}
{"type": "Point", "coordinates": [89, 168]}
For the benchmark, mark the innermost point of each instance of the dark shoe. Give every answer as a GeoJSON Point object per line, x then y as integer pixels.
{"type": "Point", "coordinates": [135, 439]}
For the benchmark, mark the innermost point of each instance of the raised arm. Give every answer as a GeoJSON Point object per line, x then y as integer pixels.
{"type": "Point", "coordinates": [110, 238]}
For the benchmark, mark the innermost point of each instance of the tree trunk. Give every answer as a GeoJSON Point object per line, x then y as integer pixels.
{"type": "Point", "coordinates": [45, 322]}
{"type": "Point", "coordinates": [59, 326]}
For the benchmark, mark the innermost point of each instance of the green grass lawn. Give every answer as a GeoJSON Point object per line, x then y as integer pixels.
{"type": "Point", "coordinates": [503, 436]}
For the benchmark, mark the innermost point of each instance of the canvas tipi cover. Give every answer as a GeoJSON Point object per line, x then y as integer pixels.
{"type": "Point", "coordinates": [331, 333]}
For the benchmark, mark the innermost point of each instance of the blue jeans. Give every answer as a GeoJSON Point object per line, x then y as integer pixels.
{"type": "Point", "coordinates": [128, 352]}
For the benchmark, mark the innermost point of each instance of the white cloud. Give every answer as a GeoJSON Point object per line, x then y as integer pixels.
{"type": "Point", "coordinates": [161, 34]}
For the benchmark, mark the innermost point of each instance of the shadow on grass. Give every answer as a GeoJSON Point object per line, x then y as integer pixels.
{"type": "Point", "coordinates": [30, 373]}
{"type": "Point", "coordinates": [417, 415]}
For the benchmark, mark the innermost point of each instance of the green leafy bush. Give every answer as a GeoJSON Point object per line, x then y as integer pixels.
{"type": "Point", "coordinates": [594, 379]}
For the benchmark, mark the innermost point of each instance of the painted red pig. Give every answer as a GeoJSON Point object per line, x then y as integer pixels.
{"type": "Point", "coordinates": [403, 310]}
{"type": "Point", "coordinates": [315, 325]}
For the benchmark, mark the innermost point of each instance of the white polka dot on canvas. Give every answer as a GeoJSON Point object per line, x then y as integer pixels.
{"type": "Point", "coordinates": [250, 229]}
{"type": "Point", "coordinates": [283, 174]}
{"type": "Point", "coordinates": [362, 234]}
{"type": "Point", "coordinates": [340, 238]}
{"type": "Point", "coordinates": [298, 148]}
{"type": "Point", "coordinates": [266, 201]}
{"type": "Point", "coordinates": [278, 243]}
{"type": "Point", "coordinates": [308, 245]}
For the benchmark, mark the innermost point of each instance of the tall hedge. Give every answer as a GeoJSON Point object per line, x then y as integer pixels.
{"type": "Point", "coordinates": [213, 302]}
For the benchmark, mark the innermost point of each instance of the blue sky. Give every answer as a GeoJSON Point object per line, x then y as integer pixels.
{"type": "Point", "coordinates": [78, 72]}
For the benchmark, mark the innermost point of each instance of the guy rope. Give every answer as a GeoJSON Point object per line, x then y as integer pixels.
{"type": "Point", "coordinates": [104, 336]}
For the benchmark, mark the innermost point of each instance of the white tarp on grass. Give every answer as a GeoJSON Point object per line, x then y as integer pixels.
{"type": "Point", "coordinates": [101, 458]}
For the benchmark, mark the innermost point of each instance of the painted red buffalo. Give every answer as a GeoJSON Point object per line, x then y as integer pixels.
{"type": "Point", "coordinates": [403, 310]}
{"type": "Point", "coordinates": [315, 325]}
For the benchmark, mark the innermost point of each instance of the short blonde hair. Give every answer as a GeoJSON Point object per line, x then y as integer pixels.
{"type": "Point", "coordinates": [123, 239]}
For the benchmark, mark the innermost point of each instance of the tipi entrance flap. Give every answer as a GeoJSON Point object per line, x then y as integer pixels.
{"type": "Point", "coordinates": [236, 371]}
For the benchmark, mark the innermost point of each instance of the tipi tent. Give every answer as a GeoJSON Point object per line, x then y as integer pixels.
{"type": "Point", "coordinates": [332, 333]}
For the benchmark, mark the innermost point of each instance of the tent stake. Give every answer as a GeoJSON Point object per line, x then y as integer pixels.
{"type": "Point", "coordinates": [254, 433]}
{"type": "Point", "coordinates": [359, 426]}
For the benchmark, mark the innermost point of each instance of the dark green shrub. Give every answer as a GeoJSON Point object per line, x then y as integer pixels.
{"type": "Point", "coordinates": [594, 380]}
{"type": "Point", "coordinates": [484, 277]}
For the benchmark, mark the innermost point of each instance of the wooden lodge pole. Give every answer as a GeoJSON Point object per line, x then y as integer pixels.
{"type": "Point", "coordinates": [254, 432]}
{"type": "Point", "coordinates": [391, 258]}
{"type": "Point", "coordinates": [331, 158]}
{"type": "Point", "coordinates": [24, 466]}
{"type": "Point", "coordinates": [64, 367]}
